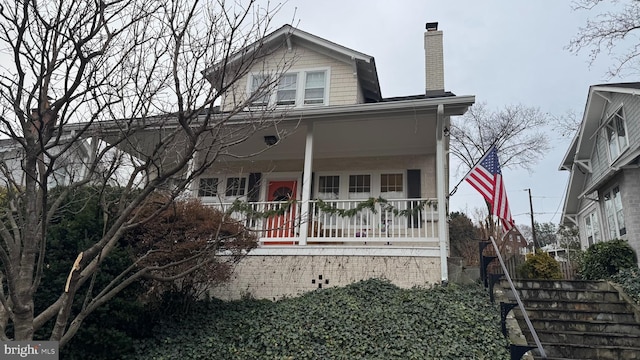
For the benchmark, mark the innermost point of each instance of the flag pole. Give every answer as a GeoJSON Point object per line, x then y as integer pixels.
{"type": "Point", "coordinates": [455, 188]}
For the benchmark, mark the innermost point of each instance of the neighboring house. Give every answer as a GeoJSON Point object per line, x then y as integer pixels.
{"type": "Point", "coordinates": [67, 169]}
{"type": "Point", "coordinates": [603, 194]}
{"type": "Point", "coordinates": [344, 145]}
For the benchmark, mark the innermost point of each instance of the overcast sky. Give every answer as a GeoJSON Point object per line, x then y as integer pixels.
{"type": "Point", "coordinates": [502, 51]}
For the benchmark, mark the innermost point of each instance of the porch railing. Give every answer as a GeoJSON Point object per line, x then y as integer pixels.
{"type": "Point", "coordinates": [410, 222]}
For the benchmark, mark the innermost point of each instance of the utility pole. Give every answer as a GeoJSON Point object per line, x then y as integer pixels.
{"type": "Point", "coordinates": [533, 224]}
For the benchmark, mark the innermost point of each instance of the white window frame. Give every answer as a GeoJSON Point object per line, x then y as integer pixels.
{"type": "Point", "coordinates": [592, 228]}
{"type": "Point", "coordinates": [375, 183]}
{"type": "Point", "coordinates": [616, 144]}
{"type": "Point", "coordinates": [217, 186]}
{"type": "Point", "coordinates": [614, 212]}
{"type": "Point", "coordinates": [300, 89]}
{"type": "Point", "coordinates": [267, 88]}
{"type": "Point", "coordinates": [243, 185]}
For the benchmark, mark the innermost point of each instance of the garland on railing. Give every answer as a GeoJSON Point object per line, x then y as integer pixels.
{"type": "Point", "coordinates": [248, 209]}
{"type": "Point", "coordinates": [370, 204]}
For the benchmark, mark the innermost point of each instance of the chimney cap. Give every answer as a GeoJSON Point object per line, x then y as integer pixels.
{"type": "Point", "coordinates": [432, 26]}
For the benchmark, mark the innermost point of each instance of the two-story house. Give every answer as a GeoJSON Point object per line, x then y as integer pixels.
{"type": "Point", "coordinates": [356, 184]}
{"type": "Point", "coordinates": [603, 194]}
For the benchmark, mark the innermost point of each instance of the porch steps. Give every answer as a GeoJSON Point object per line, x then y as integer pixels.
{"type": "Point", "coordinates": [578, 319]}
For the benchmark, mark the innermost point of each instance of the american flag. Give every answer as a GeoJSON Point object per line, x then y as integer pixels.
{"type": "Point", "coordinates": [486, 177]}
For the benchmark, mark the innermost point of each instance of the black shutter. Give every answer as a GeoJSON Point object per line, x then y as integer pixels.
{"type": "Point", "coordinates": [413, 192]}
{"type": "Point", "coordinates": [253, 194]}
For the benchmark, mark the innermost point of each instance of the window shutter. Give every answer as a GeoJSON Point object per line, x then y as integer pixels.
{"type": "Point", "coordinates": [413, 192]}
{"type": "Point", "coordinates": [253, 193]}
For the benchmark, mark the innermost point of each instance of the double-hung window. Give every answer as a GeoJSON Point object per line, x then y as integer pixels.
{"type": "Point", "coordinates": [236, 186]}
{"type": "Point", "coordinates": [208, 187]}
{"type": "Point", "coordinates": [287, 89]}
{"type": "Point", "coordinates": [314, 87]}
{"type": "Point", "coordinates": [616, 133]}
{"type": "Point", "coordinates": [614, 212]}
{"type": "Point", "coordinates": [260, 90]}
{"type": "Point", "coordinates": [328, 187]}
{"type": "Point", "coordinates": [592, 228]}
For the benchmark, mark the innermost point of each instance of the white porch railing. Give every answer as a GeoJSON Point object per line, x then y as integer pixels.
{"type": "Point", "coordinates": [401, 222]}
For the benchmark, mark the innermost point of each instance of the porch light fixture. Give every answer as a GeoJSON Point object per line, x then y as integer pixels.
{"type": "Point", "coordinates": [270, 140]}
{"type": "Point", "coordinates": [446, 132]}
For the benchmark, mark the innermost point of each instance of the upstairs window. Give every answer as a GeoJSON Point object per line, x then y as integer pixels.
{"type": "Point", "coordinates": [236, 186]}
{"type": "Point", "coordinates": [287, 89]}
{"type": "Point", "coordinates": [615, 214]}
{"type": "Point", "coordinates": [314, 87]}
{"type": "Point", "coordinates": [616, 134]}
{"type": "Point", "coordinates": [260, 90]}
{"type": "Point", "coordinates": [208, 187]}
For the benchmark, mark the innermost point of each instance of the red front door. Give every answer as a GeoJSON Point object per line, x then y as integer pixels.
{"type": "Point", "coordinates": [281, 225]}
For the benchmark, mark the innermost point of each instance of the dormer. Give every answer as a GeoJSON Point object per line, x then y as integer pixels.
{"type": "Point", "coordinates": [290, 68]}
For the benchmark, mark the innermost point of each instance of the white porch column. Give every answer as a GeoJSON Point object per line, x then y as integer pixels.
{"type": "Point", "coordinates": [306, 185]}
{"type": "Point", "coordinates": [441, 189]}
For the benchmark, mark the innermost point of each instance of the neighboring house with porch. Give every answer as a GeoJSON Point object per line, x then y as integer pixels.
{"type": "Point", "coordinates": [603, 194]}
{"type": "Point", "coordinates": [339, 144]}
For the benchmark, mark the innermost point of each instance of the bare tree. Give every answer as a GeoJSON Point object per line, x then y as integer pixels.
{"type": "Point", "coordinates": [613, 31]}
{"type": "Point", "coordinates": [516, 131]}
{"type": "Point", "coordinates": [128, 72]}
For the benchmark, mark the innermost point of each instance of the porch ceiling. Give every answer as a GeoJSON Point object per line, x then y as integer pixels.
{"type": "Point", "coordinates": [378, 136]}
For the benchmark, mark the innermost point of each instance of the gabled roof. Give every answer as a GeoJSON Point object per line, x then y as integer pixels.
{"type": "Point", "coordinates": [364, 65]}
{"type": "Point", "coordinates": [583, 143]}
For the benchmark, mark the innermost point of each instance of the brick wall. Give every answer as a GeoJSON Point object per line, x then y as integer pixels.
{"type": "Point", "coordinates": [274, 277]}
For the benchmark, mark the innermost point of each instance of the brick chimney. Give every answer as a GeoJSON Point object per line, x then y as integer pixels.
{"type": "Point", "coordinates": [434, 60]}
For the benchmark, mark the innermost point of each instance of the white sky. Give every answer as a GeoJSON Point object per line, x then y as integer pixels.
{"type": "Point", "coordinates": [502, 51]}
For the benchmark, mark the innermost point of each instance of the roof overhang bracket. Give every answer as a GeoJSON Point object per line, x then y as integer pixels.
{"type": "Point", "coordinates": [603, 94]}
{"type": "Point", "coordinates": [572, 218]}
{"type": "Point", "coordinates": [584, 164]}
{"type": "Point", "coordinates": [354, 65]}
{"type": "Point", "coordinates": [288, 40]}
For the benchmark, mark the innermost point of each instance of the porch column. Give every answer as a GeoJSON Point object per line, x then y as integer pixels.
{"type": "Point", "coordinates": [441, 189]}
{"type": "Point", "coordinates": [306, 185]}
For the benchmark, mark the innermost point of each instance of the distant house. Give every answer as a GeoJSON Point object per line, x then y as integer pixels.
{"type": "Point", "coordinates": [65, 170]}
{"type": "Point", "coordinates": [603, 194]}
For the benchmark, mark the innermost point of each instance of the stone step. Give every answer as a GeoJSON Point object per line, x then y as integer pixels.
{"type": "Point", "coordinates": [567, 305]}
{"type": "Point", "coordinates": [600, 352]}
{"type": "Point", "coordinates": [556, 284]}
{"type": "Point", "coordinates": [584, 338]}
{"type": "Point", "coordinates": [582, 326]}
{"type": "Point", "coordinates": [578, 315]}
{"type": "Point", "coordinates": [571, 295]}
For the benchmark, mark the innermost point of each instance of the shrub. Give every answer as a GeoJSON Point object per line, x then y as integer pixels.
{"type": "Point", "coordinates": [540, 266]}
{"type": "Point", "coordinates": [605, 259]}
{"type": "Point", "coordinates": [629, 279]}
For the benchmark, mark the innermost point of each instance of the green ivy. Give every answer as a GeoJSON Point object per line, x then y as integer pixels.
{"type": "Point", "coordinates": [367, 320]}
{"type": "Point", "coordinates": [629, 279]}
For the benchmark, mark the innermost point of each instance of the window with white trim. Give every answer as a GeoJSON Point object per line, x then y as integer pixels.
{"type": "Point", "coordinates": [208, 187]}
{"type": "Point", "coordinates": [295, 88]}
{"type": "Point", "coordinates": [314, 87]}
{"type": "Point", "coordinates": [616, 134]}
{"type": "Point", "coordinates": [391, 183]}
{"type": "Point", "coordinates": [592, 228]}
{"type": "Point", "coordinates": [328, 187]}
{"type": "Point", "coordinates": [287, 89]}
{"type": "Point", "coordinates": [236, 186]}
{"type": "Point", "coordinates": [614, 213]}
{"type": "Point", "coordinates": [260, 84]}
{"type": "Point", "coordinates": [359, 186]}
